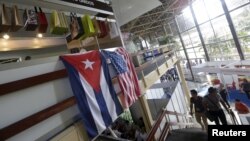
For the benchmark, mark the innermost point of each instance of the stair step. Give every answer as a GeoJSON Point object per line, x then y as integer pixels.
{"type": "Point", "coordinates": [188, 134]}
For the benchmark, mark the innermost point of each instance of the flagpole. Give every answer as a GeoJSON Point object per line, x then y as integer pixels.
{"type": "Point", "coordinates": [112, 132]}
{"type": "Point", "coordinates": [97, 42]}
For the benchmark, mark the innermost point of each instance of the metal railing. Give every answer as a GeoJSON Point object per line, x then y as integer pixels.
{"type": "Point", "coordinates": [167, 125]}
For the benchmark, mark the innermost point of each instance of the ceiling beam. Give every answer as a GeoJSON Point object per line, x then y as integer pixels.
{"type": "Point", "coordinates": [161, 20]}
{"type": "Point", "coordinates": [169, 7]}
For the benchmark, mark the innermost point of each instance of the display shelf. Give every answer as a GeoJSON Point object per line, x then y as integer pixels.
{"type": "Point", "coordinates": [66, 5]}
{"type": "Point", "coordinates": [95, 8]}
{"type": "Point", "coordinates": [91, 43]}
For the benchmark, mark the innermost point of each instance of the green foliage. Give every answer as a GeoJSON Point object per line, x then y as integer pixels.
{"type": "Point", "coordinates": [126, 115]}
{"type": "Point", "coordinates": [166, 40]}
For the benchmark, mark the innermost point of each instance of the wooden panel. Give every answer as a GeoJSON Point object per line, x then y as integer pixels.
{"type": "Point", "coordinates": [175, 113]}
{"type": "Point", "coordinates": [71, 135]}
{"type": "Point", "coordinates": [180, 123]}
{"type": "Point", "coordinates": [170, 63]}
{"type": "Point", "coordinates": [143, 66]}
{"type": "Point", "coordinates": [105, 42]}
{"type": "Point", "coordinates": [141, 84]}
{"type": "Point", "coordinates": [26, 123]}
{"type": "Point", "coordinates": [148, 63]}
{"type": "Point", "coordinates": [162, 69]}
{"type": "Point", "coordinates": [31, 81]}
{"type": "Point", "coordinates": [151, 78]}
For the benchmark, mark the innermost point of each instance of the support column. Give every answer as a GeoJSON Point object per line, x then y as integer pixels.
{"type": "Point", "coordinates": [147, 117]}
{"type": "Point", "coordinates": [199, 32]}
{"type": "Point", "coordinates": [165, 31]}
{"type": "Point", "coordinates": [183, 82]}
{"type": "Point", "coordinates": [232, 29]}
{"type": "Point", "coordinates": [184, 48]}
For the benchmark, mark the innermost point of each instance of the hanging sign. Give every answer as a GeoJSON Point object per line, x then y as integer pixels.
{"type": "Point", "coordinates": [93, 4]}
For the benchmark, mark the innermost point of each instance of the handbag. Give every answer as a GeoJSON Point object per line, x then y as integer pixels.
{"type": "Point", "coordinates": [96, 26]}
{"type": "Point", "coordinates": [88, 26]}
{"type": "Point", "coordinates": [17, 23]}
{"type": "Point", "coordinates": [5, 23]}
{"type": "Point", "coordinates": [58, 23]}
{"type": "Point", "coordinates": [103, 29]}
{"type": "Point", "coordinates": [113, 30]}
{"type": "Point", "coordinates": [76, 26]}
{"type": "Point", "coordinates": [30, 18]}
{"type": "Point", "coordinates": [81, 28]}
{"type": "Point", "coordinates": [73, 26]}
{"type": "Point", "coordinates": [42, 21]}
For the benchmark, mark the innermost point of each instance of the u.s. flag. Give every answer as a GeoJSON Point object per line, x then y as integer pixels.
{"type": "Point", "coordinates": [126, 75]}
{"type": "Point", "coordinates": [93, 89]}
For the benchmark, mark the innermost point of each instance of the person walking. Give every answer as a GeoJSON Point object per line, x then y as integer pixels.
{"type": "Point", "coordinates": [224, 95]}
{"type": "Point", "coordinates": [212, 102]}
{"type": "Point", "coordinates": [196, 102]}
{"type": "Point", "coordinates": [246, 87]}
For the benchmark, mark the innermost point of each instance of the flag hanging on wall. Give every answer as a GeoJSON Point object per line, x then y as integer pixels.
{"type": "Point", "coordinates": [126, 75]}
{"type": "Point", "coordinates": [93, 89]}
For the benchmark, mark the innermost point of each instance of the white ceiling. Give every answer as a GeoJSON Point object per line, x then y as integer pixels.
{"type": "Point", "coordinates": [127, 10]}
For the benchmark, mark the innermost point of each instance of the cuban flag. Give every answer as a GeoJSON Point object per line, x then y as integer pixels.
{"type": "Point", "coordinates": [93, 89]}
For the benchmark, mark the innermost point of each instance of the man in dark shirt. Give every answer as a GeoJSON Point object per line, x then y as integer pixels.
{"type": "Point", "coordinates": [224, 94]}
{"type": "Point", "coordinates": [211, 104]}
{"type": "Point", "coordinates": [246, 87]}
{"type": "Point", "coordinates": [196, 102]}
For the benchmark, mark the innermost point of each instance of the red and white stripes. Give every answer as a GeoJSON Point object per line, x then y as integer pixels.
{"type": "Point", "coordinates": [128, 81]}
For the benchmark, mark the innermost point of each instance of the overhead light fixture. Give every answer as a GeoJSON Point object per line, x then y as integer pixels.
{"type": "Point", "coordinates": [39, 35]}
{"type": "Point", "coordinates": [6, 36]}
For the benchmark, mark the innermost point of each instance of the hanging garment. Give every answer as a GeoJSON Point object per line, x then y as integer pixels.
{"type": "Point", "coordinates": [88, 27]}
{"type": "Point", "coordinates": [126, 75]}
{"type": "Point", "coordinates": [42, 21]}
{"type": "Point", "coordinates": [30, 19]}
{"type": "Point", "coordinates": [76, 26]}
{"type": "Point", "coordinates": [113, 30]}
{"type": "Point", "coordinates": [58, 23]}
{"type": "Point", "coordinates": [103, 29]}
{"type": "Point", "coordinates": [96, 26]}
{"type": "Point", "coordinates": [92, 86]}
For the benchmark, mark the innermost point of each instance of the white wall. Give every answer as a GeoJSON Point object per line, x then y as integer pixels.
{"type": "Point", "coordinates": [34, 53]}
{"type": "Point", "coordinates": [228, 79]}
{"type": "Point", "coordinates": [20, 104]}
{"type": "Point", "coordinates": [178, 104]}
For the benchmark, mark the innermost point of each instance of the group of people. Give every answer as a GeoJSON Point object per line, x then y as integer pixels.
{"type": "Point", "coordinates": [209, 106]}
{"type": "Point", "coordinates": [170, 75]}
